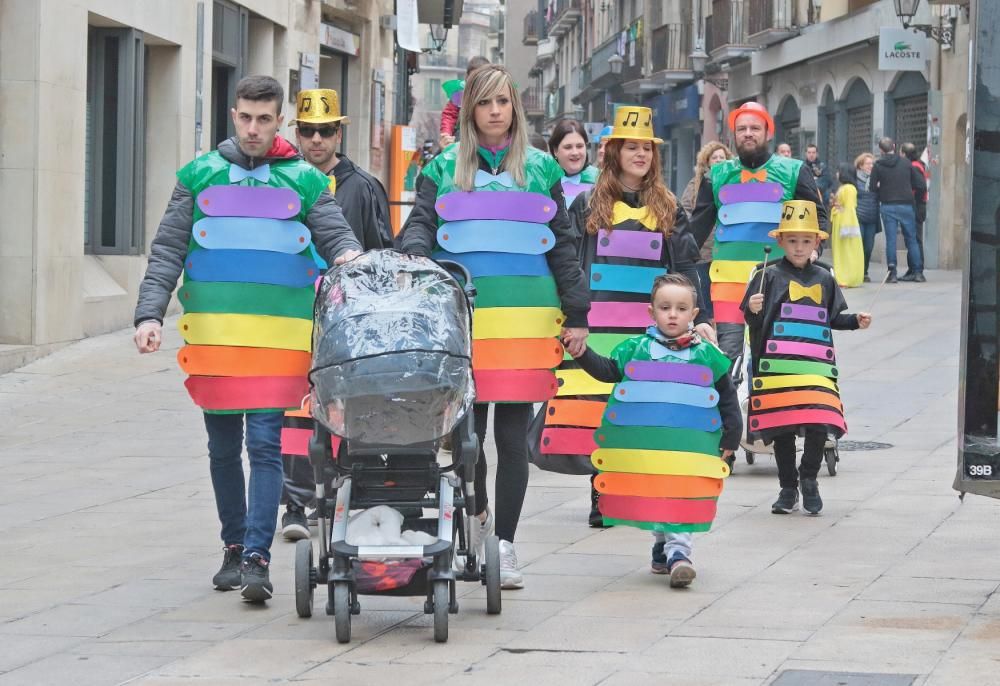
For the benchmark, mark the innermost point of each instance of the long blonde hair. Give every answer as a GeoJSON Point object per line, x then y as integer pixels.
{"type": "Point", "coordinates": [653, 194]}
{"type": "Point", "coordinates": [485, 83]}
{"type": "Point", "coordinates": [702, 166]}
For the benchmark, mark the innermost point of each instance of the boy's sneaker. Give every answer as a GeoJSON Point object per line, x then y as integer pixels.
{"type": "Point", "coordinates": [510, 577]}
{"type": "Point", "coordinates": [255, 582]}
{"type": "Point", "coordinates": [811, 502]}
{"type": "Point", "coordinates": [228, 576]}
{"type": "Point", "coordinates": [787, 502]}
{"type": "Point", "coordinates": [294, 526]}
{"type": "Point", "coordinates": [681, 571]}
{"type": "Point", "coordinates": [659, 564]}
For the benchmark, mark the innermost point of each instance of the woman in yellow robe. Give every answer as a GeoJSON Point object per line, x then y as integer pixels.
{"type": "Point", "coordinates": [845, 234]}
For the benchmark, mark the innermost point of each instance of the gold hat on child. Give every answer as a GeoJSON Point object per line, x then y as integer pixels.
{"type": "Point", "coordinates": [634, 123]}
{"type": "Point", "coordinates": [799, 216]}
{"type": "Point", "coordinates": [318, 106]}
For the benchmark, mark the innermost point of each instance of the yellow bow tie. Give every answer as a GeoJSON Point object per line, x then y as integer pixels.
{"type": "Point", "coordinates": [622, 213]}
{"type": "Point", "coordinates": [753, 176]}
{"type": "Point", "coordinates": [798, 292]}
{"type": "Point", "coordinates": [332, 185]}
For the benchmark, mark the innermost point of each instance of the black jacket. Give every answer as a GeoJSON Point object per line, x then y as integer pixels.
{"type": "Point", "coordinates": [364, 203]}
{"type": "Point", "coordinates": [705, 212]}
{"type": "Point", "coordinates": [896, 181]}
{"type": "Point", "coordinates": [680, 252]}
{"type": "Point", "coordinates": [604, 369]}
{"type": "Point", "coordinates": [419, 237]}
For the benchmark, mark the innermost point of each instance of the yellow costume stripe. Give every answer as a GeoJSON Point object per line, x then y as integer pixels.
{"type": "Point", "coordinates": [770, 383]}
{"type": "Point", "coordinates": [731, 271]}
{"type": "Point", "coordinates": [252, 330]}
{"type": "Point", "coordinates": [516, 322]}
{"type": "Point", "coordinates": [579, 382]}
{"type": "Point", "coordinates": [659, 462]}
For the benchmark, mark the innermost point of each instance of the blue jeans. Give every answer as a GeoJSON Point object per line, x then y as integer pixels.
{"type": "Point", "coordinates": [905, 217]}
{"type": "Point", "coordinates": [868, 232]}
{"type": "Point", "coordinates": [252, 526]}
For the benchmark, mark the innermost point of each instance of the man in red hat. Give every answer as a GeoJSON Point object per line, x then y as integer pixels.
{"type": "Point", "coordinates": [743, 197]}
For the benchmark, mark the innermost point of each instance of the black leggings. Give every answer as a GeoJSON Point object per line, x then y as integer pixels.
{"type": "Point", "coordinates": [510, 431]}
{"type": "Point", "coordinates": [812, 457]}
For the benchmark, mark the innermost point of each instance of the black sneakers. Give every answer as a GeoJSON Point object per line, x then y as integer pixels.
{"type": "Point", "coordinates": [811, 502]}
{"type": "Point", "coordinates": [294, 526]}
{"type": "Point", "coordinates": [892, 276]}
{"type": "Point", "coordinates": [787, 502]}
{"type": "Point", "coordinates": [228, 576]}
{"type": "Point", "coordinates": [915, 277]}
{"type": "Point", "coordinates": [596, 519]}
{"type": "Point", "coordinates": [659, 563]}
{"type": "Point", "coordinates": [256, 581]}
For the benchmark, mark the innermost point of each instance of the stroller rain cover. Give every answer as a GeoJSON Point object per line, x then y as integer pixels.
{"type": "Point", "coordinates": [391, 361]}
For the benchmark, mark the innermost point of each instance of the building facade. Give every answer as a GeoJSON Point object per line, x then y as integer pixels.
{"type": "Point", "coordinates": [103, 100]}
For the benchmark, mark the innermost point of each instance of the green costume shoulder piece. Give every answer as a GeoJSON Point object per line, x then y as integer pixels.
{"type": "Point", "coordinates": [542, 172]}
{"type": "Point", "coordinates": [589, 174]}
{"type": "Point", "coordinates": [781, 170]}
{"type": "Point", "coordinates": [638, 348]}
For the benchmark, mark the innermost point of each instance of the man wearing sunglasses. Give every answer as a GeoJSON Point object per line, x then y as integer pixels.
{"type": "Point", "coordinates": [360, 195]}
{"type": "Point", "coordinates": [319, 130]}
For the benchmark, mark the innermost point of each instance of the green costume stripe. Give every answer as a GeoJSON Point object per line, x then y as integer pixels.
{"type": "Point", "coordinates": [246, 298]}
{"type": "Point", "coordinates": [796, 367]}
{"type": "Point", "coordinates": [601, 343]}
{"type": "Point", "coordinates": [742, 251]}
{"type": "Point", "coordinates": [655, 526]}
{"type": "Point", "coordinates": [658, 438]}
{"type": "Point", "coordinates": [516, 291]}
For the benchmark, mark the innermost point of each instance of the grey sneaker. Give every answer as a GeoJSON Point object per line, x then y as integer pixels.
{"type": "Point", "coordinates": [811, 502]}
{"type": "Point", "coordinates": [294, 526]}
{"type": "Point", "coordinates": [228, 576]}
{"type": "Point", "coordinates": [256, 580]}
{"type": "Point", "coordinates": [510, 577]}
{"type": "Point", "coordinates": [681, 572]}
{"type": "Point", "coordinates": [787, 502]}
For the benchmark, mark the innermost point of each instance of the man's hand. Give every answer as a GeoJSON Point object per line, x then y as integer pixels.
{"type": "Point", "coordinates": [864, 320]}
{"type": "Point", "coordinates": [756, 303]}
{"type": "Point", "coordinates": [707, 331]}
{"type": "Point", "coordinates": [348, 255]}
{"type": "Point", "coordinates": [575, 341]}
{"type": "Point", "coordinates": [148, 336]}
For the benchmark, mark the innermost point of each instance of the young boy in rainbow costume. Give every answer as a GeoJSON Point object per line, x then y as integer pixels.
{"type": "Point", "coordinates": [671, 415]}
{"type": "Point", "coordinates": [790, 308]}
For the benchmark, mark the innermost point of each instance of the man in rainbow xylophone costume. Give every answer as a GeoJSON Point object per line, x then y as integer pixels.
{"type": "Point", "coordinates": [791, 307]}
{"type": "Point", "coordinates": [244, 224]}
{"type": "Point", "coordinates": [672, 414]}
{"type": "Point", "coordinates": [741, 200]}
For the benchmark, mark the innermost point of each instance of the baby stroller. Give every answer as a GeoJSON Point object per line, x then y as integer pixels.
{"type": "Point", "coordinates": [391, 375]}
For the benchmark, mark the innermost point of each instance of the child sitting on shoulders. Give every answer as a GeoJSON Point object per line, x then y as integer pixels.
{"type": "Point", "coordinates": [671, 416]}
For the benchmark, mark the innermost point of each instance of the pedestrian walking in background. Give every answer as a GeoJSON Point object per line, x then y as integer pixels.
{"type": "Point", "coordinates": [491, 178]}
{"type": "Point", "coordinates": [687, 437]}
{"type": "Point", "coordinates": [568, 144]}
{"type": "Point", "coordinates": [784, 149]}
{"type": "Point", "coordinates": [449, 115]}
{"type": "Point", "coordinates": [845, 231]}
{"type": "Point", "coordinates": [709, 155]}
{"type": "Point", "coordinates": [897, 183]}
{"type": "Point", "coordinates": [909, 150]}
{"type": "Point", "coordinates": [868, 215]}
{"type": "Point", "coordinates": [794, 389]}
{"type": "Point", "coordinates": [247, 297]}
{"type": "Point", "coordinates": [601, 143]}
{"type": "Point", "coordinates": [820, 172]}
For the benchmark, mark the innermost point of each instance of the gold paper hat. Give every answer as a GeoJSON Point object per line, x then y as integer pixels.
{"type": "Point", "coordinates": [318, 106]}
{"type": "Point", "coordinates": [634, 123]}
{"type": "Point", "coordinates": [799, 216]}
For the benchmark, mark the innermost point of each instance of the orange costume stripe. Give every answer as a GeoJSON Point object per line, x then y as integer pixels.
{"type": "Point", "coordinates": [585, 413]}
{"type": "Point", "coordinates": [516, 353]}
{"type": "Point", "coordinates": [793, 398]}
{"type": "Point", "coordinates": [228, 360]}
{"type": "Point", "coordinates": [657, 485]}
{"type": "Point", "coordinates": [730, 292]}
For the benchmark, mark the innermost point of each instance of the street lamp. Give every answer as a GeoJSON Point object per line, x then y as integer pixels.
{"type": "Point", "coordinates": [699, 63]}
{"type": "Point", "coordinates": [439, 35]}
{"type": "Point", "coordinates": [616, 63]}
{"type": "Point", "coordinates": [907, 9]}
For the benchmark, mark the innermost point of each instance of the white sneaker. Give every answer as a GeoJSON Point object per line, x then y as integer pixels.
{"type": "Point", "coordinates": [509, 576]}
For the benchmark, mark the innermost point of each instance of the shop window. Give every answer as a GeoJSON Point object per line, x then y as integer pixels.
{"type": "Point", "coordinates": [229, 58]}
{"type": "Point", "coordinates": [115, 142]}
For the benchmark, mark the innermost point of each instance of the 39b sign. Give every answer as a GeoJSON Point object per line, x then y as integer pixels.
{"type": "Point", "coordinates": [980, 470]}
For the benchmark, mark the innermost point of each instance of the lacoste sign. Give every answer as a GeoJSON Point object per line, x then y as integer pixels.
{"type": "Point", "coordinates": [901, 50]}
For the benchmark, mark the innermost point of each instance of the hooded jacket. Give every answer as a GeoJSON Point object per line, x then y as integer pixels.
{"type": "Point", "coordinates": [331, 234]}
{"type": "Point", "coordinates": [364, 203]}
{"type": "Point", "coordinates": [896, 181]}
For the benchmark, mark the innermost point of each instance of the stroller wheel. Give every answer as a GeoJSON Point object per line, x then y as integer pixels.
{"type": "Point", "coordinates": [305, 580]}
{"type": "Point", "coordinates": [491, 575]}
{"type": "Point", "coordinates": [442, 601]}
{"type": "Point", "coordinates": [750, 456]}
{"type": "Point", "coordinates": [342, 610]}
{"type": "Point", "coordinates": [832, 458]}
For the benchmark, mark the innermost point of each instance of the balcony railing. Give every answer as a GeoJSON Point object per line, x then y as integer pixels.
{"type": "Point", "coordinates": [562, 15]}
{"type": "Point", "coordinates": [547, 49]}
{"type": "Point", "coordinates": [532, 101]}
{"type": "Point", "coordinates": [583, 77]}
{"type": "Point", "coordinates": [729, 27]}
{"type": "Point", "coordinates": [442, 59]}
{"type": "Point", "coordinates": [631, 65]}
{"type": "Point", "coordinates": [771, 21]}
{"type": "Point", "coordinates": [534, 28]}
{"type": "Point", "coordinates": [557, 100]}
{"type": "Point", "coordinates": [672, 47]}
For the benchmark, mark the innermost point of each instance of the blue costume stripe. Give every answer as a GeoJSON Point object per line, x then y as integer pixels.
{"type": "Point", "coordinates": [497, 263]}
{"type": "Point", "coordinates": [794, 330]}
{"type": "Point", "coordinates": [626, 279]}
{"type": "Point", "coordinates": [252, 266]}
{"type": "Point", "coordinates": [664, 414]}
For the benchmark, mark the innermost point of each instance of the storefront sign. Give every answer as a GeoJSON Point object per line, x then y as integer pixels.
{"type": "Point", "coordinates": [339, 40]}
{"type": "Point", "coordinates": [679, 106]}
{"type": "Point", "coordinates": [901, 50]}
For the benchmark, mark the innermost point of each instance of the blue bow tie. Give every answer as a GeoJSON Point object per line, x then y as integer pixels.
{"type": "Point", "coordinates": [238, 173]}
{"type": "Point", "coordinates": [484, 178]}
{"type": "Point", "coordinates": [573, 179]}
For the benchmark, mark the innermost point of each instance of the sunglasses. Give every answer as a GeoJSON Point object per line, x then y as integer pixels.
{"type": "Point", "coordinates": [324, 131]}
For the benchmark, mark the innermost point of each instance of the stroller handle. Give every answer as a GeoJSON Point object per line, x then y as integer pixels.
{"type": "Point", "coordinates": [460, 273]}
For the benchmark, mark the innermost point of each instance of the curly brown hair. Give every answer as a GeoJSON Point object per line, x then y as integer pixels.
{"type": "Point", "coordinates": [653, 194]}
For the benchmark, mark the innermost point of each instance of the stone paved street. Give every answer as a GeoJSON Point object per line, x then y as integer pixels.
{"type": "Point", "coordinates": [110, 541]}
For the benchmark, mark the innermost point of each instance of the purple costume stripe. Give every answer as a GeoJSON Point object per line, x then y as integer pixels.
{"type": "Point", "coordinates": [807, 313]}
{"type": "Point", "coordinates": [642, 245]}
{"type": "Point", "coordinates": [733, 193]}
{"type": "Point", "coordinates": [647, 370]}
